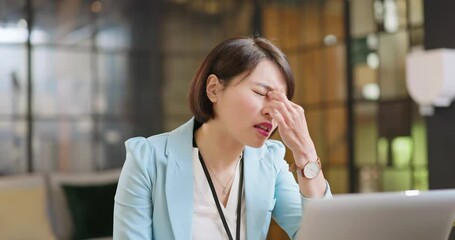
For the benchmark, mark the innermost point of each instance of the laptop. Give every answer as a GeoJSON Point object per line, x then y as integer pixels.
{"type": "Point", "coordinates": [414, 215]}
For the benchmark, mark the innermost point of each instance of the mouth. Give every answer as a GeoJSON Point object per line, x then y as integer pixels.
{"type": "Point", "coordinates": [264, 128]}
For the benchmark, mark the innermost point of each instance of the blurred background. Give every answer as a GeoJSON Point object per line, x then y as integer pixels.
{"type": "Point", "coordinates": [79, 77]}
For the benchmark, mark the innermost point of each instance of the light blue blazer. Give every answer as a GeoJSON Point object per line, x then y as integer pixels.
{"type": "Point", "coordinates": [154, 198]}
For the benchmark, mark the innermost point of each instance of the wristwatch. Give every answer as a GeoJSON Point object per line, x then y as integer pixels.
{"type": "Point", "coordinates": [311, 169]}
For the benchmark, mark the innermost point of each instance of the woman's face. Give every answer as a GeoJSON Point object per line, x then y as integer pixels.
{"type": "Point", "coordinates": [239, 106]}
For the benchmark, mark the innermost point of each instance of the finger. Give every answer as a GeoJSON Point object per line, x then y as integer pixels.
{"type": "Point", "coordinates": [283, 110]}
{"type": "Point", "coordinates": [277, 116]}
{"type": "Point", "coordinates": [301, 112]}
{"type": "Point", "coordinates": [279, 96]}
{"type": "Point", "coordinates": [276, 96]}
{"type": "Point", "coordinates": [294, 113]}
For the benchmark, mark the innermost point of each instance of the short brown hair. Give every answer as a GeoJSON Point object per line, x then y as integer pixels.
{"type": "Point", "coordinates": [229, 59]}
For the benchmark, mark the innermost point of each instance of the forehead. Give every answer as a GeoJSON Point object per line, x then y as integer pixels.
{"type": "Point", "coordinates": [268, 75]}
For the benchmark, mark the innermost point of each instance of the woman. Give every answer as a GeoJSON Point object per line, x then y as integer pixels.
{"type": "Point", "coordinates": [217, 176]}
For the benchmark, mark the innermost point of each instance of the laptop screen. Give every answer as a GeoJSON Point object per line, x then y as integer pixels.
{"type": "Point", "coordinates": [377, 216]}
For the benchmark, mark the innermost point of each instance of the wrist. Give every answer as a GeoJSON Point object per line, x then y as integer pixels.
{"type": "Point", "coordinates": [310, 170]}
{"type": "Point", "coordinates": [307, 151]}
{"type": "Point", "coordinates": [312, 188]}
{"type": "Point", "coordinates": [303, 158]}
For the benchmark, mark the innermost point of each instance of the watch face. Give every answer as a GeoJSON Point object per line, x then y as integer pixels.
{"type": "Point", "coordinates": [311, 170]}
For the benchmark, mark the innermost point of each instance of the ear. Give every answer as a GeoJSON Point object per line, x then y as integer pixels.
{"type": "Point", "coordinates": [213, 87]}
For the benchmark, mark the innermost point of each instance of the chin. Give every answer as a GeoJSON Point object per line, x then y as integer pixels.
{"type": "Point", "coordinates": [256, 144]}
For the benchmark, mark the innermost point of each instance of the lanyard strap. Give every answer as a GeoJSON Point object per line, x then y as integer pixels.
{"type": "Point", "coordinates": [217, 202]}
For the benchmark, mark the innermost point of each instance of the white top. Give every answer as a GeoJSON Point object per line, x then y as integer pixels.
{"type": "Point", "coordinates": [207, 222]}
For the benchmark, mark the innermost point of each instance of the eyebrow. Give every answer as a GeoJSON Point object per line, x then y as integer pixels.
{"type": "Point", "coordinates": [269, 88]}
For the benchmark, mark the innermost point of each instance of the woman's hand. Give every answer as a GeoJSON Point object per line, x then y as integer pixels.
{"type": "Point", "coordinates": [292, 126]}
{"type": "Point", "coordinates": [293, 130]}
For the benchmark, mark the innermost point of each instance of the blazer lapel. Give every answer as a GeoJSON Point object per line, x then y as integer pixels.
{"type": "Point", "coordinates": [258, 190]}
{"type": "Point", "coordinates": [179, 180]}
{"type": "Point", "coordinates": [179, 185]}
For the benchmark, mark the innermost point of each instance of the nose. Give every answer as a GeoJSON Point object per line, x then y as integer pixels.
{"type": "Point", "coordinates": [266, 109]}
{"type": "Point", "coordinates": [269, 118]}
{"type": "Point", "coordinates": [266, 113]}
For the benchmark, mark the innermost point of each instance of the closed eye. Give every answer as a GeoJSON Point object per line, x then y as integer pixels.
{"type": "Point", "coordinates": [260, 94]}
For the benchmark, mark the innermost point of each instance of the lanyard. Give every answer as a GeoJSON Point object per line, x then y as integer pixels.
{"type": "Point", "coordinates": [217, 202]}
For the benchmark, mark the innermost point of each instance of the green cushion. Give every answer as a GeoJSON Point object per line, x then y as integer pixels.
{"type": "Point", "coordinates": [92, 209]}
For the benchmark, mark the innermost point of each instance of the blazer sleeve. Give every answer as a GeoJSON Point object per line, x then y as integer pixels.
{"type": "Point", "coordinates": [288, 207]}
{"type": "Point", "coordinates": [290, 202]}
{"type": "Point", "coordinates": [133, 208]}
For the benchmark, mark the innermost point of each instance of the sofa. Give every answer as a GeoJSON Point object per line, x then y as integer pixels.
{"type": "Point", "coordinates": [57, 205]}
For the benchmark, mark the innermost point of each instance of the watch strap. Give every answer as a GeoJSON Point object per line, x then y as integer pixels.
{"type": "Point", "coordinates": [294, 167]}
